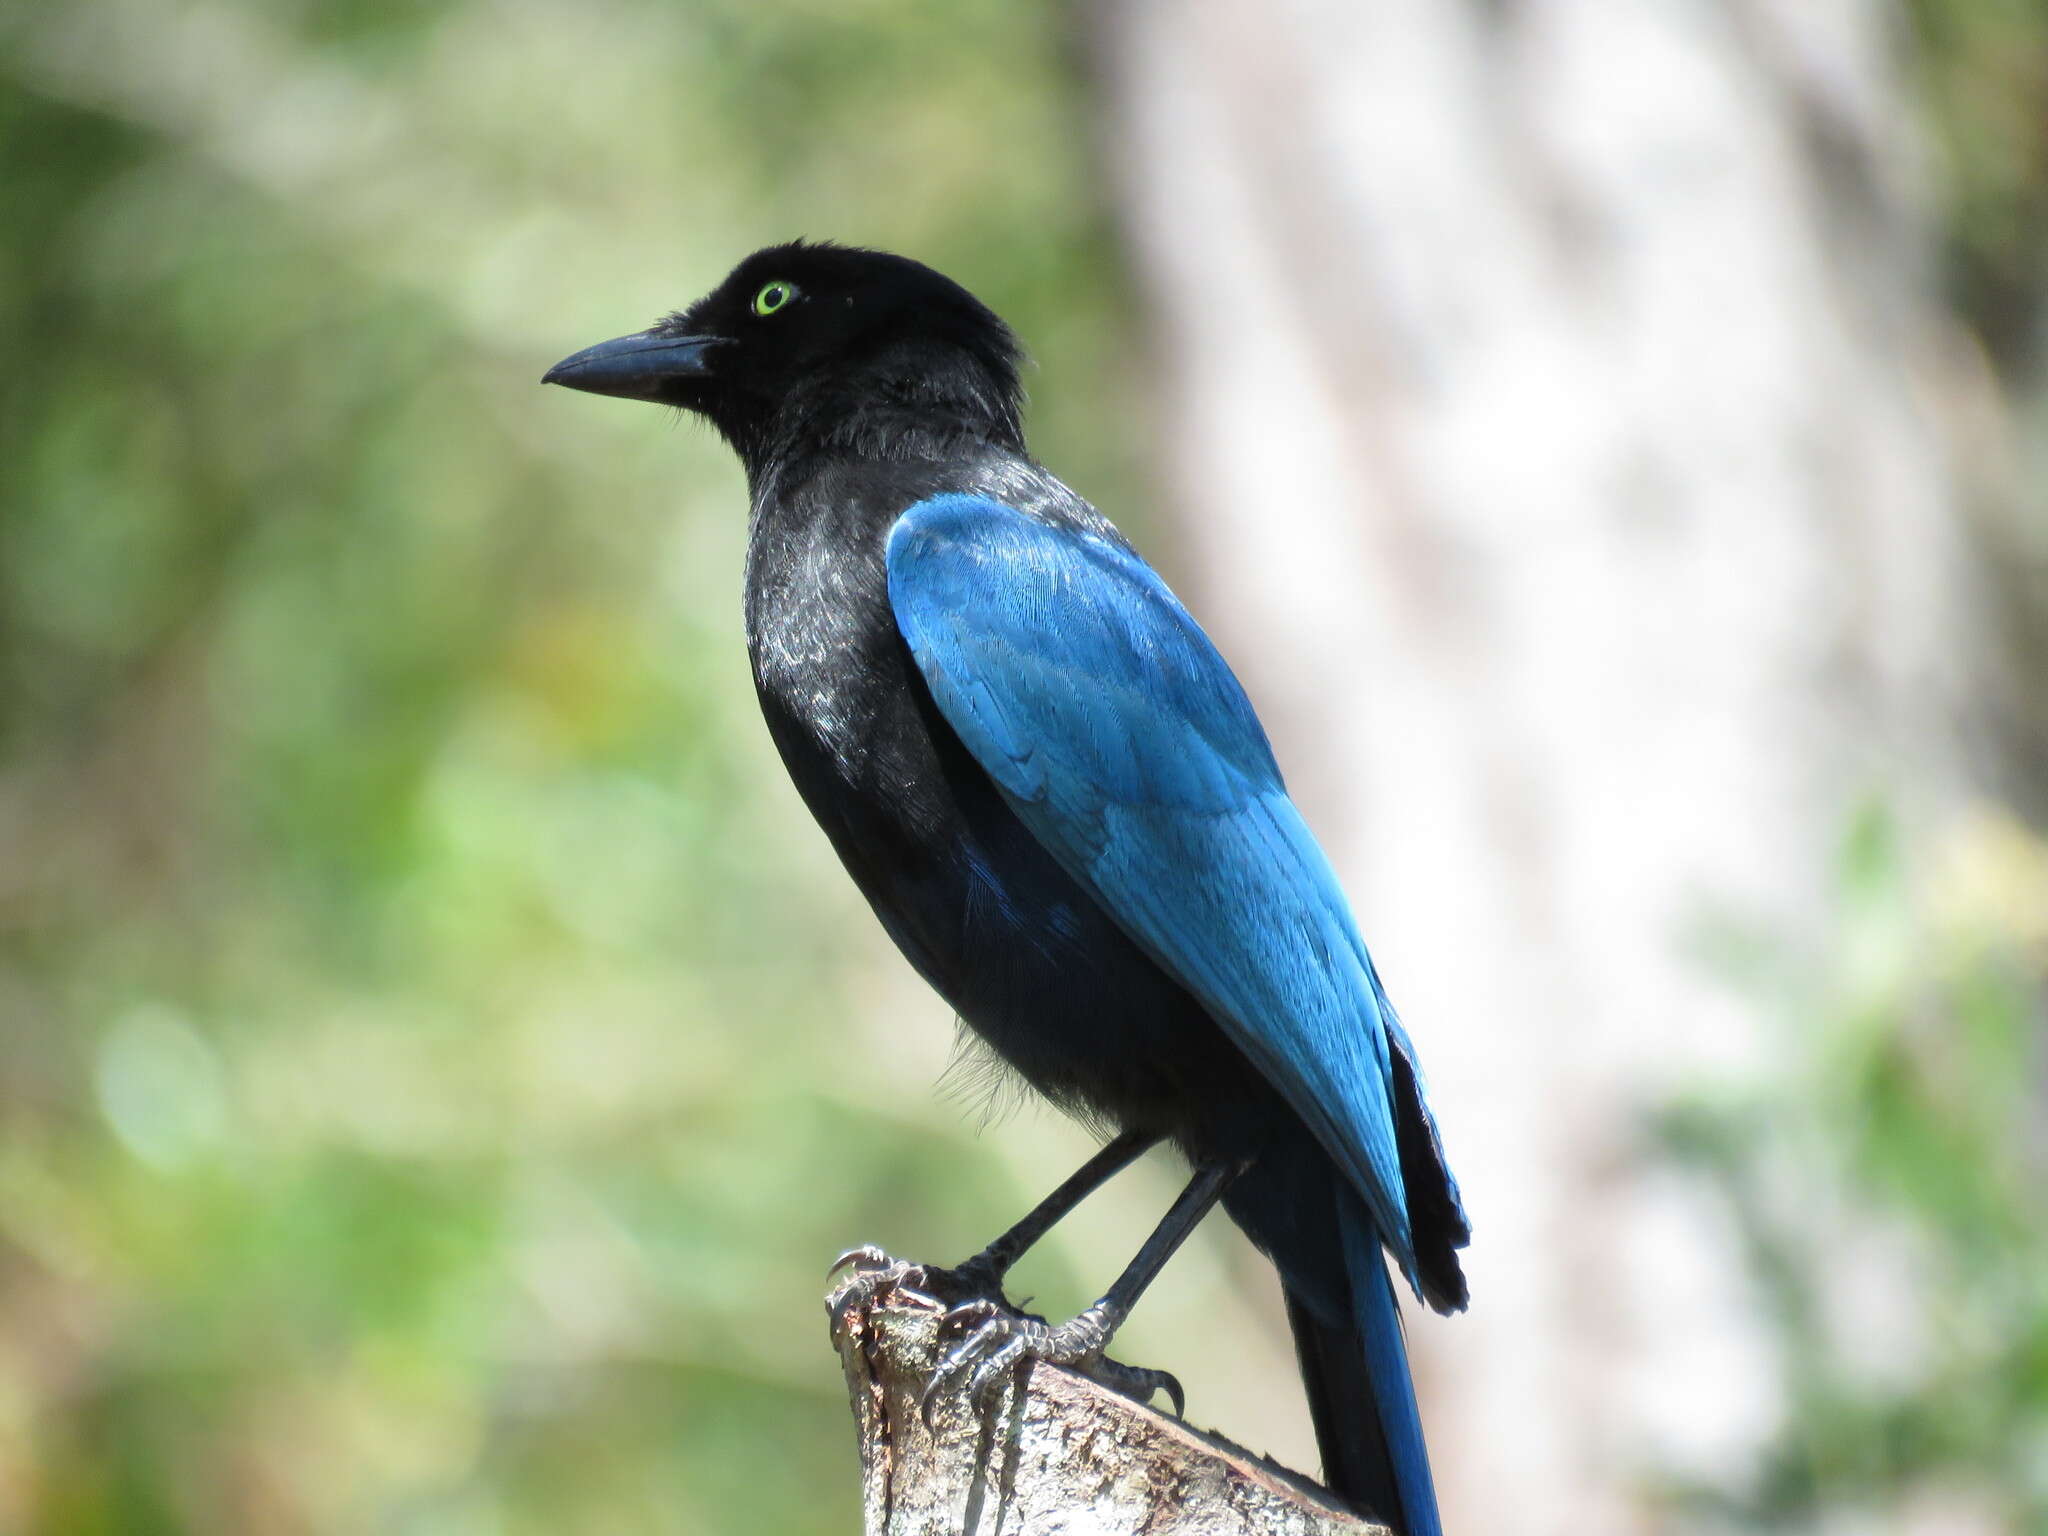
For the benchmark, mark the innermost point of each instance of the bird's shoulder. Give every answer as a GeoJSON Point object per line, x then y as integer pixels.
{"type": "Point", "coordinates": [822, 525]}
{"type": "Point", "coordinates": [1064, 659]}
{"type": "Point", "coordinates": [821, 631]}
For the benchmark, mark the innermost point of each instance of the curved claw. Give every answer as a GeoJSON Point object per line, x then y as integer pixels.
{"type": "Point", "coordinates": [874, 1272]}
{"type": "Point", "coordinates": [1175, 1392]}
{"type": "Point", "coordinates": [865, 1256]}
{"type": "Point", "coordinates": [1140, 1383]}
{"type": "Point", "coordinates": [928, 1404]}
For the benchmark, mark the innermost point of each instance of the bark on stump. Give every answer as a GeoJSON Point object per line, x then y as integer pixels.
{"type": "Point", "coordinates": [1053, 1454]}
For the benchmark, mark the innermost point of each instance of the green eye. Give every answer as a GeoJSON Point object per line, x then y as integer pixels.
{"type": "Point", "coordinates": [773, 297]}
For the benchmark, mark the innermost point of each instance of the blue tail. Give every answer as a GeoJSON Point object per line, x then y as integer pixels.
{"type": "Point", "coordinates": [1359, 1391]}
{"type": "Point", "coordinates": [1386, 1362]}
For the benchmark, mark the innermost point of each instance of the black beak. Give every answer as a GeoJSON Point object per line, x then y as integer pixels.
{"type": "Point", "coordinates": [643, 366]}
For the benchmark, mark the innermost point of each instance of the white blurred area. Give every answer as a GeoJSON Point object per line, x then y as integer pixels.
{"type": "Point", "coordinates": [1546, 411]}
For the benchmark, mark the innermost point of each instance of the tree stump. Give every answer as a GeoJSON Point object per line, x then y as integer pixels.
{"type": "Point", "coordinates": [1053, 1453]}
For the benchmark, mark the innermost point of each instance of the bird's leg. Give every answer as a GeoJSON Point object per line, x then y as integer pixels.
{"type": "Point", "coordinates": [981, 1277]}
{"type": "Point", "coordinates": [1001, 1339]}
{"type": "Point", "coordinates": [983, 1274]}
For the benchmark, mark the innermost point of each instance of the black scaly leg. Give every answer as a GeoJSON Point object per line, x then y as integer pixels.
{"type": "Point", "coordinates": [982, 1275]}
{"type": "Point", "coordinates": [988, 1267]}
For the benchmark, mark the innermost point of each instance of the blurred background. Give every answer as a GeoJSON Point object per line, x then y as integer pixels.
{"type": "Point", "coordinates": [437, 1053]}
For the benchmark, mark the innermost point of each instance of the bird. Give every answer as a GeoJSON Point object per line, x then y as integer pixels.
{"type": "Point", "coordinates": [1059, 802]}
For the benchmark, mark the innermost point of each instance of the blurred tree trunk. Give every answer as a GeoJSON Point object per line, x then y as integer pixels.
{"type": "Point", "coordinates": [1545, 420]}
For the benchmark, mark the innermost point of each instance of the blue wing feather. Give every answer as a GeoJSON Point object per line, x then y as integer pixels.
{"type": "Point", "coordinates": [1128, 748]}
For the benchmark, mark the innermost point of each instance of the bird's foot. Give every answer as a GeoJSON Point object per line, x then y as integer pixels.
{"type": "Point", "coordinates": [999, 1339]}
{"type": "Point", "coordinates": [875, 1273]}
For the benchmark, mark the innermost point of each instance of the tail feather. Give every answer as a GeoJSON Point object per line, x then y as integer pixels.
{"type": "Point", "coordinates": [1360, 1394]}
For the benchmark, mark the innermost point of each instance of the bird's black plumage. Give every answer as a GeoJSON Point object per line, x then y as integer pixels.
{"type": "Point", "coordinates": [875, 405]}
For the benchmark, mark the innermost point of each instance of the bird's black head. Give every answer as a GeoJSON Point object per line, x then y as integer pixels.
{"type": "Point", "coordinates": [823, 344]}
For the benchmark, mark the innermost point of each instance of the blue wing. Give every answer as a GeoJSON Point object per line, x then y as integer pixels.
{"type": "Point", "coordinates": [1126, 745]}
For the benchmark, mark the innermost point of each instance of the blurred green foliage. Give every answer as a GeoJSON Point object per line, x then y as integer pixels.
{"type": "Point", "coordinates": [422, 1100]}
{"type": "Point", "coordinates": [1885, 1175]}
